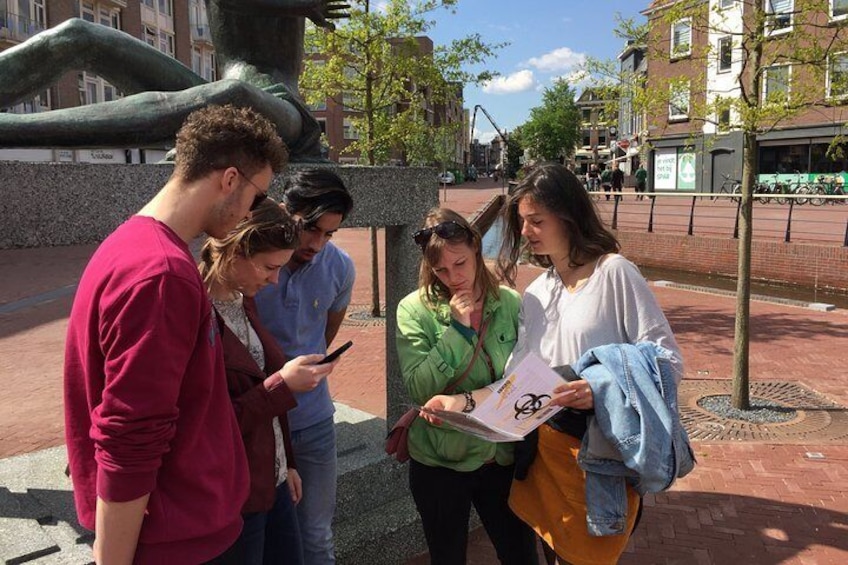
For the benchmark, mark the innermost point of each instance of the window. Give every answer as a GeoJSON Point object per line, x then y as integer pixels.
{"type": "Point", "coordinates": [838, 9]}
{"type": "Point", "coordinates": [681, 38]}
{"type": "Point", "coordinates": [349, 131]}
{"type": "Point", "coordinates": [722, 4]}
{"type": "Point", "coordinates": [587, 116]}
{"type": "Point", "coordinates": [587, 138]}
{"type": "Point", "coordinates": [724, 119]}
{"type": "Point", "coordinates": [166, 43]}
{"type": "Point", "coordinates": [776, 84]}
{"type": "Point", "coordinates": [148, 35]}
{"type": "Point", "coordinates": [87, 12]}
{"type": "Point", "coordinates": [837, 75]}
{"type": "Point", "coordinates": [196, 61]}
{"type": "Point", "coordinates": [779, 14]}
{"type": "Point", "coordinates": [678, 102]}
{"type": "Point", "coordinates": [165, 7]}
{"type": "Point", "coordinates": [725, 53]}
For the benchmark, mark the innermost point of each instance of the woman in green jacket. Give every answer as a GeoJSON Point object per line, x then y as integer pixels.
{"type": "Point", "coordinates": [457, 303]}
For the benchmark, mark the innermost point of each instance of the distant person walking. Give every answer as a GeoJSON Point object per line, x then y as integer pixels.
{"type": "Point", "coordinates": [606, 179]}
{"type": "Point", "coordinates": [593, 177]}
{"type": "Point", "coordinates": [617, 179]}
{"type": "Point", "coordinates": [155, 453]}
{"type": "Point", "coordinates": [641, 181]}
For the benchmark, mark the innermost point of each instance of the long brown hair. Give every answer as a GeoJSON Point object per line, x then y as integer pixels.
{"type": "Point", "coordinates": [269, 228]}
{"type": "Point", "coordinates": [431, 288]}
{"type": "Point", "coordinates": [556, 189]}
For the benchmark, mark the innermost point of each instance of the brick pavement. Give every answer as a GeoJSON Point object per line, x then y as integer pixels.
{"type": "Point", "coordinates": [748, 502]}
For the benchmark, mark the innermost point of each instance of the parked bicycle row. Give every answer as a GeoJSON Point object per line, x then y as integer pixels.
{"type": "Point", "coordinates": [782, 192]}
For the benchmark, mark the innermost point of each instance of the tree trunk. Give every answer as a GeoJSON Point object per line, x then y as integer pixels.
{"type": "Point", "coordinates": [740, 398]}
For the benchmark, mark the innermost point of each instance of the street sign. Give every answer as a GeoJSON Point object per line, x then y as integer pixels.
{"type": "Point", "coordinates": [624, 144]}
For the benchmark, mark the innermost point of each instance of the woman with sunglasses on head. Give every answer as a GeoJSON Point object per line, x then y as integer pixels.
{"type": "Point", "coordinates": [457, 330]}
{"type": "Point", "coordinates": [260, 381]}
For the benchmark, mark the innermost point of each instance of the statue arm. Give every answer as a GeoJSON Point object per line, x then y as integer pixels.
{"type": "Point", "coordinates": [319, 11]}
{"type": "Point", "coordinates": [129, 64]}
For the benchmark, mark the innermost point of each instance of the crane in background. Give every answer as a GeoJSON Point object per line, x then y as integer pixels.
{"type": "Point", "coordinates": [497, 129]}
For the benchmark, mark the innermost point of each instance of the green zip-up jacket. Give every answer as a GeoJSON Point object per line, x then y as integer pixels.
{"type": "Point", "coordinates": [433, 353]}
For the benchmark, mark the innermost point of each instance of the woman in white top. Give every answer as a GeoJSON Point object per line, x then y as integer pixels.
{"type": "Point", "coordinates": [589, 296]}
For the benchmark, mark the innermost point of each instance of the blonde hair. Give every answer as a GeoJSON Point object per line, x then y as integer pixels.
{"type": "Point", "coordinates": [270, 228]}
{"type": "Point", "coordinates": [431, 288]}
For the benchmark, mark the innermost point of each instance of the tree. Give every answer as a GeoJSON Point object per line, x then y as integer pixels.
{"type": "Point", "coordinates": [375, 65]}
{"type": "Point", "coordinates": [786, 60]}
{"type": "Point", "coordinates": [553, 130]}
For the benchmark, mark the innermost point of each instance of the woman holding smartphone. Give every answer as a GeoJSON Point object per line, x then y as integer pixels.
{"type": "Point", "coordinates": [457, 331]}
{"type": "Point", "coordinates": [259, 379]}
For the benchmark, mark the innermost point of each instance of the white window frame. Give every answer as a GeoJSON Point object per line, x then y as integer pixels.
{"type": "Point", "coordinates": [841, 16]}
{"type": "Point", "coordinates": [672, 98]}
{"type": "Point", "coordinates": [829, 85]}
{"type": "Point", "coordinates": [788, 68]}
{"type": "Point", "coordinates": [767, 6]}
{"type": "Point", "coordinates": [729, 40]}
{"type": "Point", "coordinates": [348, 130]}
{"type": "Point", "coordinates": [675, 53]}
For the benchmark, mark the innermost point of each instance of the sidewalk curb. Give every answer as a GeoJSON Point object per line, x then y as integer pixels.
{"type": "Point", "coordinates": [816, 306]}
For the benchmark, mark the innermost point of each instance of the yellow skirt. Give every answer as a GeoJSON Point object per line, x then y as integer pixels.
{"type": "Point", "coordinates": [552, 500]}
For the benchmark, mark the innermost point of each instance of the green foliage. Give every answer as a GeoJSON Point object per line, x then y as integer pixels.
{"type": "Point", "coordinates": [372, 64]}
{"type": "Point", "coordinates": [553, 129]}
{"type": "Point", "coordinates": [515, 151]}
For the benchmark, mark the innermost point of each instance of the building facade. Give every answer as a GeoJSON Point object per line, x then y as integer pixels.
{"type": "Point", "coordinates": [178, 28]}
{"type": "Point", "coordinates": [696, 140]}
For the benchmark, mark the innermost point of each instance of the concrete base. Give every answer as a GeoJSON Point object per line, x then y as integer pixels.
{"type": "Point", "coordinates": [376, 521]}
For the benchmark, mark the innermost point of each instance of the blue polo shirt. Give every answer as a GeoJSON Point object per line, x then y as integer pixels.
{"type": "Point", "coordinates": [295, 312]}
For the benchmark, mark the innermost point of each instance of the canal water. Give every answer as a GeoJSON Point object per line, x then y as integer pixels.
{"type": "Point", "coordinates": [492, 241]}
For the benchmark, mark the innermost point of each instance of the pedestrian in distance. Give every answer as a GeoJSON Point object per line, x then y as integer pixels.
{"type": "Point", "coordinates": [261, 383]}
{"type": "Point", "coordinates": [593, 177]}
{"type": "Point", "coordinates": [641, 181]}
{"type": "Point", "coordinates": [303, 311]}
{"type": "Point", "coordinates": [155, 453]}
{"type": "Point", "coordinates": [606, 181]}
{"type": "Point", "coordinates": [588, 297]}
{"type": "Point", "coordinates": [617, 179]}
{"type": "Point", "coordinates": [457, 331]}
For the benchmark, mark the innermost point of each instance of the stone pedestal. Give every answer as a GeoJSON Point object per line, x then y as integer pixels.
{"type": "Point", "coordinates": [52, 204]}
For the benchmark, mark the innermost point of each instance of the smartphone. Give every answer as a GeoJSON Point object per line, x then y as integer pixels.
{"type": "Point", "coordinates": [335, 354]}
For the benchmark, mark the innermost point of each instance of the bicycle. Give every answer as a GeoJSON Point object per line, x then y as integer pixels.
{"type": "Point", "coordinates": [827, 186]}
{"type": "Point", "coordinates": [729, 186]}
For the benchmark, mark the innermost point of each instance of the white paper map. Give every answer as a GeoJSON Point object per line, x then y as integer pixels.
{"type": "Point", "coordinates": [518, 404]}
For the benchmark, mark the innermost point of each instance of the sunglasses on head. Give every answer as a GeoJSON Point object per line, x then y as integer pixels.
{"type": "Point", "coordinates": [260, 194]}
{"type": "Point", "coordinates": [445, 230]}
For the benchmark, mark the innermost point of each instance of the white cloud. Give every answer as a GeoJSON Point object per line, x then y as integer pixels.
{"type": "Point", "coordinates": [557, 60]}
{"type": "Point", "coordinates": [520, 81]}
{"type": "Point", "coordinates": [485, 137]}
{"type": "Point", "coordinates": [578, 78]}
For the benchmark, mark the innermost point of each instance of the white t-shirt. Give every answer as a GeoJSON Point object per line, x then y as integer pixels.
{"type": "Point", "coordinates": [615, 305]}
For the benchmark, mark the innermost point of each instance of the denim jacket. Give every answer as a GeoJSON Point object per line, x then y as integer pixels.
{"type": "Point", "coordinates": [635, 435]}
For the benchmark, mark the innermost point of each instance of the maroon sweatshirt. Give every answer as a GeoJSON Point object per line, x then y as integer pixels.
{"type": "Point", "coordinates": [146, 402]}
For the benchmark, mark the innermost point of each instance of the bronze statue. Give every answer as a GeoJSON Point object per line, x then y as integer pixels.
{"type": "Point", "coordinates": [259, 45]}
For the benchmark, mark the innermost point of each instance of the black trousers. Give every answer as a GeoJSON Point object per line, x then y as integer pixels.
{"type": "Point", "coordinates": [233, 556]}
{"type": "Point", "coordinates": [444, 498]}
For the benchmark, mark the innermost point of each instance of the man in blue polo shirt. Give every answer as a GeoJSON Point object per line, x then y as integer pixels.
{"type": "Point", "coordinates": [304, 311]}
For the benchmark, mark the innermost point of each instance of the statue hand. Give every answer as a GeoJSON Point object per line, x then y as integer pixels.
{"type": "Point", "coordinates": [327, 10]}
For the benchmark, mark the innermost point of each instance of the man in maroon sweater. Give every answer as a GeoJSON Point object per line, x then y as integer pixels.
{"type": "Point", "coordinates": [155, 453]}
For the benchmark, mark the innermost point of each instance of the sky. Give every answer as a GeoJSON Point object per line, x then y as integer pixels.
{"type": "Point", "coordinates": [547, 39]}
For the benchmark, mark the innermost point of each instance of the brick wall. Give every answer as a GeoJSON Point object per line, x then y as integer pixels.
{"type": "Point", "coordinates": [792, 263]}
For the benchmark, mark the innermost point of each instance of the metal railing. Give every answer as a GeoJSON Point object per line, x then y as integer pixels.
{"type": "Point", "coordinates": [718, 215]}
